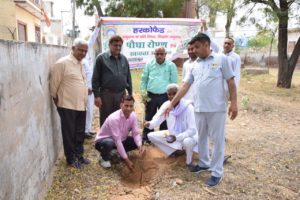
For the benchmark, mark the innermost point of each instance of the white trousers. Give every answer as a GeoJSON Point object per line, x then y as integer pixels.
{"type": "Point", "coordinates": [211, 125]}
{"type": "Point", "coordinates": [188, 144]}
{"type": "Point", "coordinates": [89, 113]}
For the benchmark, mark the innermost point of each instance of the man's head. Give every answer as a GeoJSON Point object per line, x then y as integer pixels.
{"type": "Point", "coordinates": [115, 45]}
{"type": "Point", "coordinates": [201, 44]}
{"type": "Point", "coordinates": [160, 55]}
{"type": "Point", "coordinates": [172, 89]}
{"type": "Point", "coordinates": [127, 105]}
{"type": "Point", "coordinates": [228, 44]}
{"type": "Point", "coordinates": [79, 48]}
{"type": "Point", "coordinates": [190, 50]}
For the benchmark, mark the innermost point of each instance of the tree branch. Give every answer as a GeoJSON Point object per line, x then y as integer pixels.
{"type": "Point", "coordinates": [270, 3]}
{"type": "Point", "coordinates": [289, 3]}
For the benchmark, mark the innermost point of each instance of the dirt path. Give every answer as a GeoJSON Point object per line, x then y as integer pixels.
{"type": "Point", "coordinates": [264, 142]}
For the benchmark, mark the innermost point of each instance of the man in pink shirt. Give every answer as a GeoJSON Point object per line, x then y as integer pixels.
{"type": "Point", "coordinates": [114, 134]}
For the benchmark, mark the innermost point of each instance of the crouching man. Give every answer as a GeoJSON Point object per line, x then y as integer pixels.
{"type": "Point", "coordinates": [114, 134]}
{"type": "Point", "coordinates": [182, 131]}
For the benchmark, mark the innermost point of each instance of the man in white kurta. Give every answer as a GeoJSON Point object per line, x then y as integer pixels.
{"type": "Point", "coordinates": [181, 124]}
{"type": "Point", "coordinates": [88, 67]}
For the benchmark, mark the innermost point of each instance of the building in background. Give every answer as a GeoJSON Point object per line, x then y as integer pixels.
{"type": "Point", "coordinates": [52, 27]}
{"type": "Point", "coordinates": [21, 20]}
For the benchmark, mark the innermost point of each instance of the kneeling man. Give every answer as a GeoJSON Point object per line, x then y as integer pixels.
{"type": "Point", "coordinates": [181, 124]}
{"type": "Point", "coordinates": [114, 134]}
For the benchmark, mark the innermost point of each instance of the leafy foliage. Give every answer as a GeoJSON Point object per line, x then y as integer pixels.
{"type": "Point", "coordinates": [89, 6]}
{"type": "Point", "coordinates": [262, 39]}
{"type": "Point", "coordinates": [144, 8]}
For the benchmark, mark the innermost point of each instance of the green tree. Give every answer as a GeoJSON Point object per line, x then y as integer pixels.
{"type": "Point", "coordinates": [282, 9]}
{"type": "Point", "coordinates": [144, 8]}
{"type": "Point", "coordinates": [212, 7]}
{"type": "Point", "coordinates": [261, 40]}
{"type": "Point", "coordinates": [90, 6]}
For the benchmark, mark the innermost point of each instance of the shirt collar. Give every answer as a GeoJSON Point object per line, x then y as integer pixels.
{"type": "Point", "coordinates": [74, 60]}
{"type": "Point", "coordinates": [110, 55]}
{"type": "Point", "coordinates": [123, 116]}
{"type": "Point", "coordinates": [161, 63]}
{"type": "Point", "coordinates": [211, 55]}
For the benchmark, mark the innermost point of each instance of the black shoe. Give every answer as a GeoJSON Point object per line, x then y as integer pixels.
{"type": "Point", "coordinates": [76, 164]}
{"type": "Point", "coordinates": [84, 161]}
{"type": "Point", "coordinates": [213, 181]}
{"type": "Point", "coordinates": [88, 136]}
{"type": "Point", "coordinates": [92, 133]}
{"type": "Point", "coordinates": [198, 169]}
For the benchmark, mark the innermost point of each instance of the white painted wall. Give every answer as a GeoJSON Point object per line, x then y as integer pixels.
{"type": "Point", "coordinates": [30, 138]}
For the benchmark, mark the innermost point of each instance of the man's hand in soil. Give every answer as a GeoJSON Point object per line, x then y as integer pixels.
{"type": "Point", "coordinates": [142, 151]}
{"type": "Point", "coordinates": [98, 102]}
{"type": "Point", "coordinates": [129, 164]}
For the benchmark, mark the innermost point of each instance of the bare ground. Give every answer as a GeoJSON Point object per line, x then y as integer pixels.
{"type": "Point", "coordinates": [264, 142]}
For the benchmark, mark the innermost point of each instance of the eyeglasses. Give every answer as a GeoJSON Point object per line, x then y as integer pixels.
{"type": "Point", "coordinates": [157, 54]}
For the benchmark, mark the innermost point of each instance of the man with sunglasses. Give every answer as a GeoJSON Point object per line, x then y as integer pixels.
{"type": "Point", "coordinates": [157, 75]}
{"type": "Point", "coordinates": [181, 126]}
{"type": "Point", "coordinates": [111, 77]}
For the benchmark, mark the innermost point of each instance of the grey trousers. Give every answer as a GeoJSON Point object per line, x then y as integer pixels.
{"type": "Point", "coordinates": [211, 126]}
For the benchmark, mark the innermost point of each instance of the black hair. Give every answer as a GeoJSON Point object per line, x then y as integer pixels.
{"type": "Point", "coordinates": [115, 38]}
{"type": "Point", "coordinates": [127, 98]}
{"type": "Point", "coordinates": [201, 37]}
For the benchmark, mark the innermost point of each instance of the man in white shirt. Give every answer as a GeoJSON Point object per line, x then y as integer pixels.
{"type": "Point", "coordinates": [187, 66]}
{"type": "Point", "coordinates": [88, 67]}
{"type": "Point", "coordinates": [210, 104]}
{"type": "Point", "coordinates": [181, 124]}
{"type": "Point", "coordinates": [234, 59]}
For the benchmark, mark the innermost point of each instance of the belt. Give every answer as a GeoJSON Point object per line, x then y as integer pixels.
{"type": "Point", "coordinates": [150, 93]}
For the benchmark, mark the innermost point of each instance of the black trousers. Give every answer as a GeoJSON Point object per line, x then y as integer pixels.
{"type": "Point", "coordinates": [72, 128]}
{"type": "Point", "coordinates": [156, 100]}
{"type": "Point", "coordinates": [105, 146]}
{"type": "Point", "coordinates": [110, 103]}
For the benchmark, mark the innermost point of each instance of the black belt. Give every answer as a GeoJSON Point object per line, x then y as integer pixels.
{"type": "Point", "coordinates": [150, 93]}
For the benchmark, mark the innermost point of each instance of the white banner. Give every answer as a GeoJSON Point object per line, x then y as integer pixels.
{"type": "Point", "coordinates": [142, 35]}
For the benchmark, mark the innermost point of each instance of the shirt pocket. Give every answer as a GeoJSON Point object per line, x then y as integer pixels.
{"type": "Point", "coordinates": [214, 72]}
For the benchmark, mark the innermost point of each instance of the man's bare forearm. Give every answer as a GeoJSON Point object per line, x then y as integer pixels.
{"type": "Point", "coordinates": [232, 91]}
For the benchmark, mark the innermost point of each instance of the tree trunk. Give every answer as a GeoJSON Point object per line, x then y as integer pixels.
{"type": "Point", "coordinates": [212, 16]}
{"type": "Point", "coordinates": [284, 76]}
{"type": "Point", "coordinates": [293, 59]}
{"type": "Point", "coordinates": [230, 15]}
